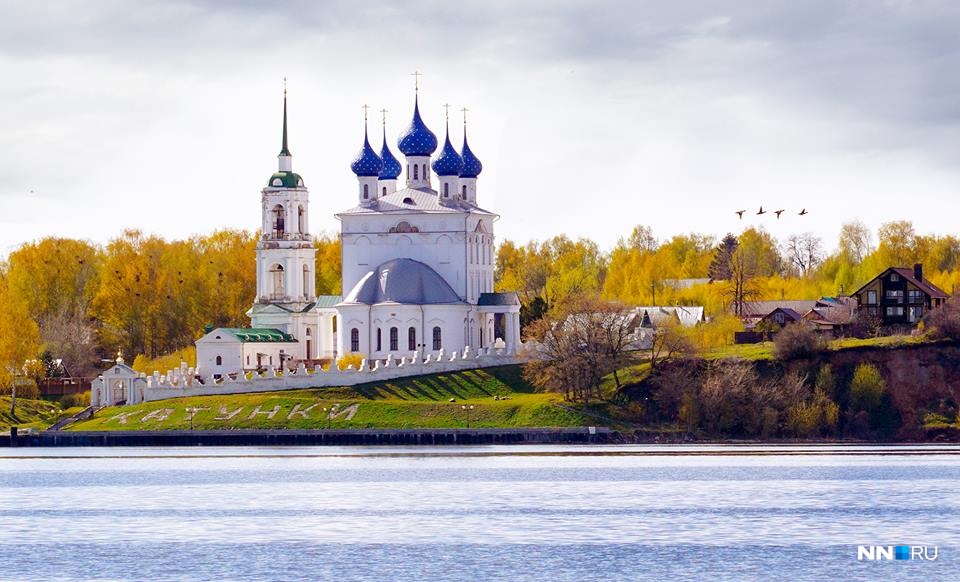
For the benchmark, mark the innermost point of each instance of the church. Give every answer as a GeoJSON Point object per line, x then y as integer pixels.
{"type": "Point", "coordinates": [417, 261]}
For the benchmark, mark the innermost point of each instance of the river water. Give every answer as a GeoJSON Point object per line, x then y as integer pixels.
{"type": "Point", "coordinates": [506, 513]}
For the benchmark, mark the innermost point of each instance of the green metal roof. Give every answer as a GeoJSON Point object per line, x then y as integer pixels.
{"type": "Point", "coordinates": [287, 180]}
{"type": "Point", "coordinates": [328, 300]}
{"type": "Point", "coordinates": [259, 334]}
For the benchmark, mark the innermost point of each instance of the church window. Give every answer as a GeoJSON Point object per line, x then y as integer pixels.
{"type": "Point", "coordinates": [384, 190]}
{"type": "Point", "coordinates": [278, 221]}
{"type": "Point", "coordinates": [379, 339]}
{"type": "Point", "coordinates": [446, 190]}
{"type": "Point", "coordinates": [366, 191]}
{"type": "Point", "coordinates": [276, 275]}
{"type": "Point", "coordinates": [248, 359]}
{"type": "Point", "coordinates": [416, 172]}
{"type": "Point", "coordinates": [306, 282]}
{"type": "Point", "coordinates": [464, 191]}
{"type": "Point", "coordinates": [437, 338]}
{"type": "Point", "coordinates": [307, 332]}
{"type": "Point", "coordinates": [333, 323]}
{"type": "Point", "coordinates": [425, 175]}
{"type": "Point", "coordinates": [301, 220]}
{"type": "Point", "coordinates": [354, 340]}
{"type": "Point", "coordinates": [394, 339]}
{"type": "Point", "coordinates": [219, 360]}
{"type": "Point", "coordinates": [408, 200]}
{"type": "Point", "coordinates": [412, 339]}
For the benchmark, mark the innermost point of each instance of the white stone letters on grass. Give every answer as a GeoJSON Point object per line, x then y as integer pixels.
{"type": "Point", "coordinates": [268, 413]}
{"type": "Point", "coordinates": [158, 415]}
{"type": "Point", "coordinates": [301, 413]}
{"type": "Point", "coordinates": [224, 415]}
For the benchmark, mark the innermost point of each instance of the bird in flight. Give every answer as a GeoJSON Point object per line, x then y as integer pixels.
{"type": "Point", "coordinates": [740, 213]}
{"type": "Point", "coordinates": [778, 213]}
{"type": "Point", "coordinates": [761, 211]}
{"type": "Point", "coordinates": [804, 211]}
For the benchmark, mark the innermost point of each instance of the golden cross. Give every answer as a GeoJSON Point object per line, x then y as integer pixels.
{"type": "Point", "coordinates": [365, 107]}
{"type": "Point", "coordinates": [284, 86]}
{"type": "Point", "coordinates": [416, 80]}
{"type": "Point", "coordinates": [383, 112]}
{"type": "Point", "coordinates": [446, 107]}
{"type": "Point", "coordinates": [464, 116]}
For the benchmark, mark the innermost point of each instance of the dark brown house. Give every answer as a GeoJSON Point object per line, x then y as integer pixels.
{"type": "Point", "coordinates": [899, 296]}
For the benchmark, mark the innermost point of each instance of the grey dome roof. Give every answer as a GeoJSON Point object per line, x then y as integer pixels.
{"type": "Point", "coordinates": [402, 281]}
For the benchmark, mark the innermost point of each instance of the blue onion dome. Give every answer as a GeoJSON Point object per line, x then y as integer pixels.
{"type": "Point", "coordinates": [471, 164]}
{"type": "Point", "coordinates": [391, 167]}
{"type": "Point", "coordinates": [417, 140]}
{"type": "Point", "coordinates": [449, 163]}
{"type": "Point", "coordinates": [367, 162]}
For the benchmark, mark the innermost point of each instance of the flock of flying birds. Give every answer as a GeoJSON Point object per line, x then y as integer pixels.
{"type": "Point", "coordinates": [777, 212]}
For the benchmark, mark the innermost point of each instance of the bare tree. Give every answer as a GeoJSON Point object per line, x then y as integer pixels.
{"type": "Point", "coordinates": [804, 251]}
{"type": "Point", "coordinates": [741, 287]}
{"type": "Point", "coordinates": [577, 345]}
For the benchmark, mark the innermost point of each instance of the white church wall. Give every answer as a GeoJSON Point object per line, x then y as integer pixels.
{"type": "Point", "coordinates": [184, 382]}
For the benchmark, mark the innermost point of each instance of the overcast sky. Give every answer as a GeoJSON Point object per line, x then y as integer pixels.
{"type": "Point", "coordinates": [589, 117]}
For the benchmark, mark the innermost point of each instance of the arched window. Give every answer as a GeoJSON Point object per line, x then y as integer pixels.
{"type": "Point", "coordinates": [366, 191]}
{"type": "Point", "coordinates": [276, 276]}
{"type": "Point", "coordinates": [425, 174]}
{"type": "Point", "coordinates": [384, 190]}
{"type": "Point", "coordinates": [464, 190]}
{"type": "Point", "coordinates": [416, 172]}
{"type": "Point", "coordinates": [219, 360]}
{"type": "Point", "coordinates": [306, 281]}
{"type": "Point", "coordinates": [278, 221]}
{"type": "Point", "coordinates": [333, 324]}
{"type": "Point", "coordinates": [446, 189]}
{"type": "Point", "coordinates": [412, 339]}
{"type": "Point", "coordinates": [394, 339]}
{"type": "Point", "coordinates": [379, 339]}
{"type": "Point", "coordinates": [307, 332]}
{"type": "Point", "coordinates": [301, 220]}
{"type": "Point", "coordinates": [354, 340]}
{"type": "Point", "coordinates": [437, 339]}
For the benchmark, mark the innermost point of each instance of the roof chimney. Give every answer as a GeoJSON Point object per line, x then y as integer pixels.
{"type": "Point", "coordinates": [918, 271]}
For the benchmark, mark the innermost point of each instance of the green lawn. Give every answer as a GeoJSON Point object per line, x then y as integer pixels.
{"type": "Point", "coordinates": [37, 414]}
{"type": "Point", "coordinates": [499, 397]}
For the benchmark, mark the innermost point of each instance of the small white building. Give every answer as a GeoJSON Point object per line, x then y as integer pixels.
{"type": "Point", "coordinates": [119, 385]}
{"type": "Point", "coordinates": [417, 263]}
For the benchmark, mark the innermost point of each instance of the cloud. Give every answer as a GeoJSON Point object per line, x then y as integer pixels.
{"type": "Point", "coordinates": [165, 116]}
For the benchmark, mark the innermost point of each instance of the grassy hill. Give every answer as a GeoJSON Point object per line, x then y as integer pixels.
{"type": "Point", "coordinates": [32, 413]}
{"type": "Point", "coordinates": [499, 398]}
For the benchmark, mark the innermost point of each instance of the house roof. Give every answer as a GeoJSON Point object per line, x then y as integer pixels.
{"type": "Point", "coordinates": [792, 314]}
{"type": "Point", "coordinates": [327, 301]}
{"type": "Point", "coordinates": [506, 298]}
{"type": "Point", "coordinates": [687, 315]}
{"type": "Point", "coordinates": [257, 334]}
{"type": "Point", "coordinates": [762, 308]}
{"type": "Point", "coordinates": [415, 200]}
{"type": "Point", "coordinates": [908, 274]}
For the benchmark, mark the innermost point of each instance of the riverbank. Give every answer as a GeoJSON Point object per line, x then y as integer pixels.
{"type": "Point", "coordinates": [384, 437]}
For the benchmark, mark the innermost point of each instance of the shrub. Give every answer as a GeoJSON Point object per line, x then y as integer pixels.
{"type": "Point", "coordinates": [797, 340]}
{"type": "Point", "coordinates": [72, 400]}
{"type": "Point", "coordinates": [26, 389]}
{"type": "Point", "coordinates": [350, 360]}
{"type": "Point", "coordinates": [825, 381]}
{"type": "Point", "coordinates": [866, 389]}
{"type": "Point", "coordinates": [944, 321]}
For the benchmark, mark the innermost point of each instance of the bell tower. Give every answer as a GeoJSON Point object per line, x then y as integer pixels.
{"type": "Point", "coordinates": [286, 258]}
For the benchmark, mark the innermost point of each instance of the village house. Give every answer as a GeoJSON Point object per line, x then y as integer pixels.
{"type": "Point", "coordinates": [898, 297]}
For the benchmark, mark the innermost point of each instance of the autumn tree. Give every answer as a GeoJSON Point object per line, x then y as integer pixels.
{"type": "Point", "coordinates": [855, 241]}
{"type": "Point", "coordinates": [577, 344]}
